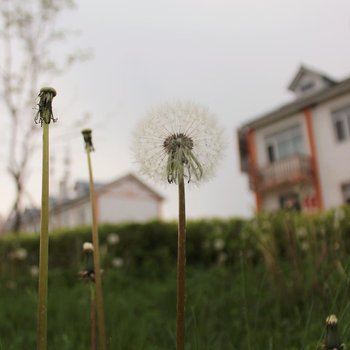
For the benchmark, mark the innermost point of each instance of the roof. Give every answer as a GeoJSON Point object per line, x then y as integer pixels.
{"type": "Point", "coordinates": [100, 188]}
{"type": "Point", "coordinates": [34, 213]}
{"type": "Point", "coordinates": [104, 188]}
{"type": "Point", "coordinates": [304, 70]}
{"type": "Point", "coordinates": [286, 110]}
{"type": "Point", "coordinates": [134, 178]}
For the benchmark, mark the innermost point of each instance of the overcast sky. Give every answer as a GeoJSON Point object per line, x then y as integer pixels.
{"type": "Point", "coordinates": [236, 57]}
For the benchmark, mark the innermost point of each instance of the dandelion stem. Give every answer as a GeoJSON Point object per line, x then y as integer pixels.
{"type": "Point", "coordinates": [93, 316]}
{"type": "Point", "coordinates": [44, 245]}
{"type": "Point", "coordinates": [44, 117]}
{"type": "Point", "coordinates": [181, 264]}
{"type": "Point", "coordinates": [97, 265]}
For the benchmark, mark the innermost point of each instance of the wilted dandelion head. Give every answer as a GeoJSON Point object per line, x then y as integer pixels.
{"type": "Point", "coordinates": [87, 135]}
{"type": "Point", "coordinates": [45, 114]}
{"type": "Point", "coordinates": [178, 140]}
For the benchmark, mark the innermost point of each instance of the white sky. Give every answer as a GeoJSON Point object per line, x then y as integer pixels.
{"type": "Point", "coordinates": [237, 57]}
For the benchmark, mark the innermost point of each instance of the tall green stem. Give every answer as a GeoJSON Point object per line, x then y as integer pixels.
{"type": "Point", "coordinates": [44, 245]}
{"type": "Point", "coordinates": [97, 265]}
{"type": "Point", "coordinates": [181, 264]}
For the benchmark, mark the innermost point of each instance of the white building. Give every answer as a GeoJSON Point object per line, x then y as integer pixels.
{"type": "Point", "coordinates": [125, 199]}
{"type": "Point", "coordinates": [298, 154]}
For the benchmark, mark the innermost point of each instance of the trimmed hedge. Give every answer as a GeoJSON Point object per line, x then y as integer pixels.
{"type": "Point", "coordinates": [301, 253]}
{"type": "Point", "coordinates": [151, 245]}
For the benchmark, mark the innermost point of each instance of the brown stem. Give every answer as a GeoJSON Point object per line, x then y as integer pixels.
{"type": "Point", "coordinates": [181, 264]}
{"type": "Point", "coordinates": [44, 246]}
{"type": "Point", "coordinates": [97, 265]}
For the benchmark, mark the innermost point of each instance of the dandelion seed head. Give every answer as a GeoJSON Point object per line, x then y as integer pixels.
{"type": "Point", "coordinates": [19, 254]}
{"type": "Point", "coordinates": [113, 238]}
{"type": "Point", "coordinates": [117, 262]}
{"type": "Point", "coordinates": [34, 270]}
{"type": "Point", "coordinates": [219, 244]}
{"type": "Point", "coordinates": [178, 139]}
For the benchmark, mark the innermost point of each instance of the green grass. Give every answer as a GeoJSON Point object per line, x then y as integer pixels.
{"type": "Point", "coordinates": [226, 308]}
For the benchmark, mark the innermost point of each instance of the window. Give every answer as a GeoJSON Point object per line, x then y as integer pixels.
{"type": "Point", "coordinates": [285, 144]}
{"type": "Point", "coordinates": [346, 192]}
{"type": "Point", "coordinates": [271, 153]}
{"type": "Point", "coordinates": [307, 86]}
{"type": "Point", "coordinates": [290, 201]}
{"type": "Point", "coordinates": [341, 124]}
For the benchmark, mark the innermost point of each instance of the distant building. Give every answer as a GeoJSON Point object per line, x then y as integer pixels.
{"type": "Point", "coordinates": [297, 156]}
{"type": "Point", "coordinates": [124, 199]}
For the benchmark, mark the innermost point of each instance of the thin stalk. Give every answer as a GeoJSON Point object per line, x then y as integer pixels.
{"type": "Point", "coordinates": [181, 264]}
{"type": "Point", "coordinates": [44, 246]}
{"type": "Point", "coordinates": [93, 317]}
{"type": "Point", "coordinates": [97, 265]}
{"type": "Point", "coordinates": [245, 303]}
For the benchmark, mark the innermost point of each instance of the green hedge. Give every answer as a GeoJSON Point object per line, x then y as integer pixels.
{"type": "Point", "coordinates": [151, 245]}
{"type": "Point", "coordinates": [300, 252]}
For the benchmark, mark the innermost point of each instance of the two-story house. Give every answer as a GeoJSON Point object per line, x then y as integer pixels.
{"type": "Point", "coordinates": [298, 155]}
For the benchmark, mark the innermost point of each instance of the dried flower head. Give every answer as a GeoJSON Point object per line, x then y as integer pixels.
{"type": "Point", "coordinates": [45, 114]}
{"type": "Point", "coordinates": [88, 139]}
{"type": "Point", "coordinates": [178, 139]}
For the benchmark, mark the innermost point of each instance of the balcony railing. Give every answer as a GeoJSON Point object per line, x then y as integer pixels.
{"type": "Point", "coordinates": [288, 171]}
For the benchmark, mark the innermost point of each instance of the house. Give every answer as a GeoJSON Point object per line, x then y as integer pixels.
{"type": "Point", "coordinates": [124, 199]}
{"type": "Point", "coordinates": [297, 156]}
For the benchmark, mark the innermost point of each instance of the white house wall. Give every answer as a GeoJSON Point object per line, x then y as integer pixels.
{"type": "Point", "coordinates": [79, 214]}
{"type": "Point", "coordinates": [114, 208]}
{"type": "Point", "coordinates": [333, 156]}
{"type": "Point", "coordinates": [129, 201]}
{"type": "Point", "coordinates": [271, 202]}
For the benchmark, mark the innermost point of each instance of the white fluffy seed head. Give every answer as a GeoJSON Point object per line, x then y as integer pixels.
{"type": "Point", "coordinates": [169, 119]}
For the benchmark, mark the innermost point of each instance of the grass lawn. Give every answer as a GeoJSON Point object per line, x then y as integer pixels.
{"type": "Point", "coordinates": [226, 308]}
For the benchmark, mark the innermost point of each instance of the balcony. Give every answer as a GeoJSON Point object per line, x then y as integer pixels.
{"type": "Point", "coordinates": [284, 172]}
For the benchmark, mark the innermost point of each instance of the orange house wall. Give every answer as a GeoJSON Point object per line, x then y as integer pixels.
{"type": "Point", "coordinates": [313, 157]}
{"type": "Point", "coordinates": [253, 166]}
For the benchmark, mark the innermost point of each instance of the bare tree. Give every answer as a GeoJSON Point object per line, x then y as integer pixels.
{"type": "Point", "coordinates": [28, 30]}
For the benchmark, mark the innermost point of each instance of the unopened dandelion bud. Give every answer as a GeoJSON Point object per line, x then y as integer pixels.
{"type": "Point", "coordinates": [87, 246]}
{"type": "Point", "coordinates": [45, 114]}
{"type": "Point", "coordinates": [332, 340]}
{"type": "Point", "coordinates": [88, 249]}
{"type": "Point", "coordinates": [88, 139]}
